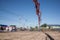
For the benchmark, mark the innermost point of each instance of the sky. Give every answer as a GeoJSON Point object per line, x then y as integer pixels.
{"type": "Point", "coordinates": [22, 12]}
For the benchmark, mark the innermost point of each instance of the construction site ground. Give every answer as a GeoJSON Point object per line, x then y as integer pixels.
{"type": "Point", "coordinates": [29, 35]}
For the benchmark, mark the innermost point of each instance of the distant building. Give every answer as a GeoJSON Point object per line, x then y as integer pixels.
{"type": "Point", "coordinates": [3, 27]}
{"type": "Point", "coordinates": [12, 27]}
{"type": "Point", "coordinates": [53, 26]}
{"type": "Point", "coordinates": [7, 28]}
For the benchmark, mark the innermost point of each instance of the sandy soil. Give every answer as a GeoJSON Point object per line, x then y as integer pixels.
{"type": "Point", "coordinates": [22, 35]}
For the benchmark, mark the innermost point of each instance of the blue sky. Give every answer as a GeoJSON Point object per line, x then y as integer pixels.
{"type": "Point", "coordinates": [22, 12]}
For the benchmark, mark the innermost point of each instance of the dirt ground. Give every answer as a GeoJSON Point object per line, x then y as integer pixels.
{"type": "Point", "coordinates": [29, 35]}
{"type": "Point", "coordinates": [54, 34]}
{"type": "Point", "coordinates": [22, 35]}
